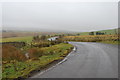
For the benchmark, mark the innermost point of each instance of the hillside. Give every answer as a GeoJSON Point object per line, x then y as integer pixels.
{"type": "Point", "coordinates": [107, 32]}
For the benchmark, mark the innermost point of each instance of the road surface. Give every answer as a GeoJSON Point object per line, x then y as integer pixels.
{"type": "Point", "coordinates": [90, 60]}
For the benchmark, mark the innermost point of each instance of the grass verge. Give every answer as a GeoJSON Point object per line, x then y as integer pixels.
{"type": "Point", "coordinates": [111, 42]}
{"type": "Point", "coordinates": [16, 69]}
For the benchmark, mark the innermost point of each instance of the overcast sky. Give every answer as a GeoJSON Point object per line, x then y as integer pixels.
{"type": "Point", "coordinates": [67, 16]}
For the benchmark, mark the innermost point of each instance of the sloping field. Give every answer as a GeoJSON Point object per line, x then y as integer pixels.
{"type": "Point", "coordinates": [12, 39]}
{"type": "Point", "coordinates": [107, 32]}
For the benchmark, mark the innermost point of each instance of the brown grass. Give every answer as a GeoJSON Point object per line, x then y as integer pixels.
{"type": "Point", "coordinates": [18, 34]}
{"type": "Point", "coordinates": [10, 52]}
{"type": "Point", "coordinates": [92, 38]}
{"type": "Point", "coordinates": [35, 53]}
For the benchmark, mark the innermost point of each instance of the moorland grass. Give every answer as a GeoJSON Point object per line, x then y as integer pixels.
{"type": "Point", "coordinates": [111, 39]}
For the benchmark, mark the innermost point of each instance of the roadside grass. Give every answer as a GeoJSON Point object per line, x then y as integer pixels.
{"type": "Point", "coordinates": [111, 42]}
{"type": "Point", "coordinates": [25, 39]}
{"type": "Point", "coordinates": [110, 39]}
{"type": "Point", "coordinates": [23, 69]}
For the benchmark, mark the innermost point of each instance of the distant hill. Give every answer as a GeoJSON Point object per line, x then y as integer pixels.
{"type": "Point", "coordinates": [107, 32]}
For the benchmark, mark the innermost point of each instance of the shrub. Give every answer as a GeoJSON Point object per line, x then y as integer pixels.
{"type": "Point", "coordinates": [35, 53]}
{"type": "Point", "coordinates": [10, 52]}
{"type": "Point", "coordinates": [41, 44]}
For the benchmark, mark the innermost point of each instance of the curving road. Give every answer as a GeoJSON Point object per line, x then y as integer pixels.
{"type": "Point", "coordinates": [90, 60]}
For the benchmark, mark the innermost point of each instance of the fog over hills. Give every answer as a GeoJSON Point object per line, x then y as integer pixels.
{"type": "Point", "coordinates": [60, 16]}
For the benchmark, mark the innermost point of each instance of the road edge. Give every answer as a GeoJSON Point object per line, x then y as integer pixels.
{"type": "Point", "coordinates": [59, 62]}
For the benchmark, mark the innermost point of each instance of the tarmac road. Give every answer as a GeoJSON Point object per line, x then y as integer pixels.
{"type": "Point", "coordinates": [89, 60]}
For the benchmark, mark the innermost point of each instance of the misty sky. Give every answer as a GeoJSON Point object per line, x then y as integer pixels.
{"type": "Point", "coordinates": [63, 16]}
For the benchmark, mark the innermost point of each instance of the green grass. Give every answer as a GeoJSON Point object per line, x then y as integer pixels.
{"type": "Point", "coordinates": [111, 31]}
{"type": "Point", "coordinates": [25, 39]}
{"type": "Point", "coordinates": [24, 68]}
{"type": "Point", "coordinates": [111, 42]}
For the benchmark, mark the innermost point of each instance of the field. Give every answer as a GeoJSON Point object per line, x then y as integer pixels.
{"type": "Point", "coordinates": [23, 36]}
{"type": "Point", "coordinates": [9, 34]}
{"type": "Point", "coordinates": [17, 68]}
{"type": "Point", "coordinates": [18, 39]}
